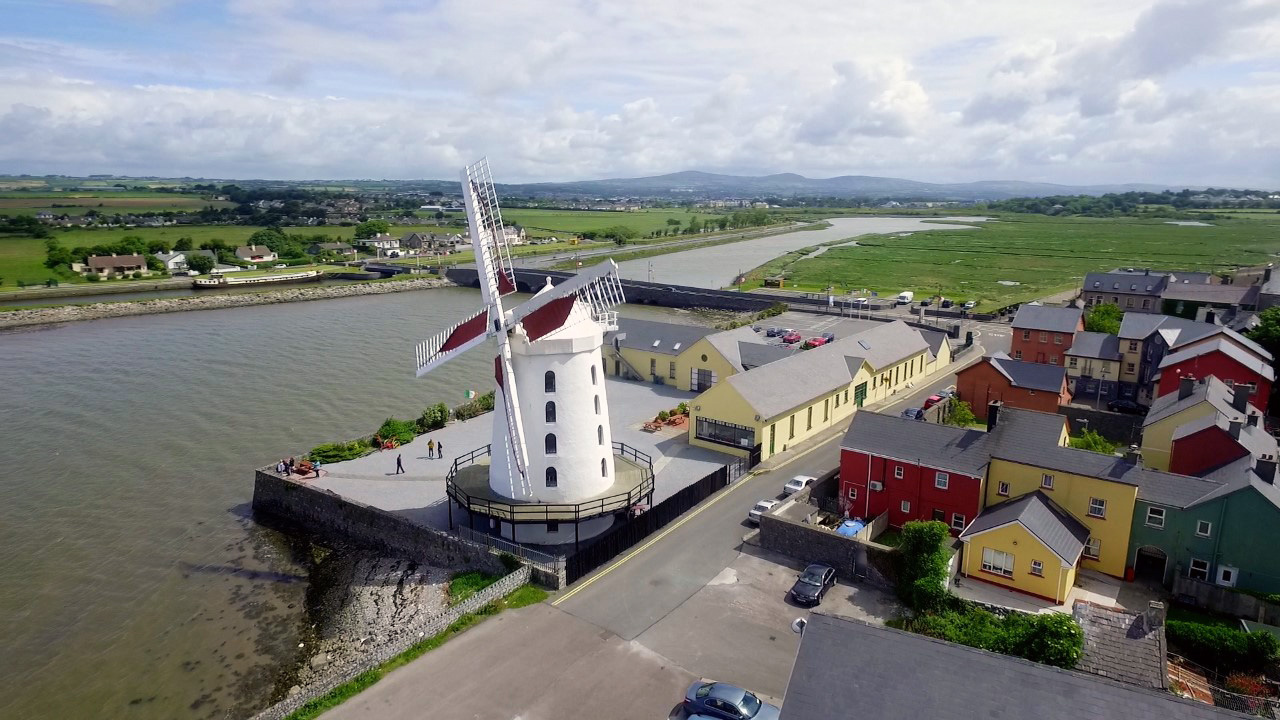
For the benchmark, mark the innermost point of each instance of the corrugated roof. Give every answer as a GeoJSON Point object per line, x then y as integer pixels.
{"type": "Point", "coordinates": [1042, 517]}
{"type": "Point", "coordinates": [1047, 318]}
{"type": "Point", "coordinates": [1101, 346]}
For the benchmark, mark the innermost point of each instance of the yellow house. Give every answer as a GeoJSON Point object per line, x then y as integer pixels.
{"type": "Point", "coordinates": [780, 404]}
{"type": "Point", "coordinates": [690, 357]}
{"type": "Point", "coordinates": [1030, 544]}
{"type": "Point", "coordinates": [1192, 401]}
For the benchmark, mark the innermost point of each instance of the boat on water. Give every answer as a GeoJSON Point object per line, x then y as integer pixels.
{"type": "Point", "coordinates": [221, 280]}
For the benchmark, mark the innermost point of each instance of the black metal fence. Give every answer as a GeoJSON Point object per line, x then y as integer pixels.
{"type": "Point", "coordinates": [627, 532]}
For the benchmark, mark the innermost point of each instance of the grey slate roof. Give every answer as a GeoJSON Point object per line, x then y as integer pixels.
{"type": "Point", "coordinates": [935, 340]}
{"type": "Point", "coordinates": [1042, 517]}
{"type": "Point", "coordinates": [1122, 646]}
{"type": "Point", "coordinates": [1219, 294]}
{"type": "Point", "coordinates": [1236, 476]}
{"type": "Point", "coordinates": [882, 346]}
{"type": "Point", "coordinates": [1048, 318]}
{"type": "Point", "coordinates": [753, 355]}
{"type": "Point", "coordinates": [1139, 326]}
{"type": "Point", "coordinates": [851, 669]}
{"type": "Point", "coordinates": [1208, 389]}
{"type": "Point", "coordinates": [1226, 347]}
{"type": "Point", "coordinates": [1033, 376]}
{"type": "Point", "coordinates": [728, 342]}
{"type": "Point", "coordinates": [1098, 345]}
{"type": "Point", "coordinates": [1126, 283]}
{"type": "Point", "coordinates": [939, 446]}
{"type": "Point", "coordinates": [642, 334]}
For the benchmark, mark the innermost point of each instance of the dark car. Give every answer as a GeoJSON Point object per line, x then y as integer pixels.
{"type": "Point", "coordinates": [729, 702]}
{"type": "Point", "coordinates": [772, 332]}
{"type": "Point", "coordinates": [1128, 407]}
{"type": "Point", "coordinates": [830, 337]}
{"type": "Point", "coordinates": [757, 328]}
{"type": "Point", "coordinates": [947, 303]}
{"type": "Point", "coordinates": [913, 413]}
{"type": "Point", "coordinates": [812, 584]}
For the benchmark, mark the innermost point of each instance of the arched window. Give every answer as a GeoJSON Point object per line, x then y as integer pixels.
{"type": "Point", "coordinates": [600, 434]}
{"type": "Point", "coordinates": [604, 468]}
{"type": "Point", "coordinates": [549, 381]}
{"type": "Point", "coordinates": [551, 477]}
{"type": "Point", "coordinates": [593, 374]}
{"type": "Point", "coordinates": [549, 445]}
{"type": "Point", "coordinates": [597, 404]}
{"type": "Point", "coordinates": [551, 412]}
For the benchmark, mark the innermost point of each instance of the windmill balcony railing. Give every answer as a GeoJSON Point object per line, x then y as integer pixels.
{"type": "Point", "coordinates": [533, 512]}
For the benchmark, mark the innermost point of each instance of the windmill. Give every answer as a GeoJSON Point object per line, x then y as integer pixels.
{"type": "Point", "coordinates": [548, 367]}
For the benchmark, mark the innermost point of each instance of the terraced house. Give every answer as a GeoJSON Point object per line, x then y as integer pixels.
{"type": "Point", "coordinates": [1043, 333]}
{"type": "Point", "coordinates": [1199, 348]}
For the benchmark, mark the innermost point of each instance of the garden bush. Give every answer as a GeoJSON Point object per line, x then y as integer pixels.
{"type": "Point", "coordinates": [1052, 638]}
{"type": "Point", "coordinates": [337, 452]}
{"type": "Point", "coordinates": [402, 431]}
{"type": "Point", "coordinates": [683, 408]}
{"type": "Point", "coordinates": [663, 416]}
{"type": "Point", "coordinates": [922, 576]}
{"type": "Point", "coordinates": [478, 406]}
{"type": "Point", "coordinates": [433, 418]}
{"type": "Point", "coordinates": [93, 277]}
{"type": "Point", "coordinates": [1222, 648]}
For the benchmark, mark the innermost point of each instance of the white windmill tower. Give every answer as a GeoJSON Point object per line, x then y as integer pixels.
{"type": "Point", "coordinates": [552, 455]}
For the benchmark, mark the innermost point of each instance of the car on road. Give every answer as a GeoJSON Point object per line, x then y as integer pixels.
{"type": "Point", "coordinates": [913, 413]}
{"type": "Point", "coordinates": [970, 305]}
{"type": "Point", "coordinates": [1129, 407]}
{"type": "Point", "coordinates": [757, 328]}
{"type": "Point", "coordinates": [946, 303]}
{"type": "Point", "coordinates": [814, 342]}
{"type": "Point", "coordinates": [798, 483]}
{"type": "Point", "coordinates": [773, 332]}
{"type": "Point", "coordinates": [859, 302]}
{"type": "Point", "coordinates": [812, 584]}
{"type": "Point", "coordinates": [926, 302]}
{"type": "Point", "coordinates": [829, 336]}
{"type": "Point", "coordinates": [760, 508]}
{"type": "Point", "coordinates": [712, 699]}
{"type": "Point", "coordinates": [946, 394]}
{"type": "Point", "coordinates": [792, 337]}
{"type": "Point", "coordinates": [282, 265]}
{"type": "Point", "coordinates": [931, 401]}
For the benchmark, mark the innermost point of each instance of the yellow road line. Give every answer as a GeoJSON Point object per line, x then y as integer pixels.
{"type": "Point", "coordinates": [673, 528]}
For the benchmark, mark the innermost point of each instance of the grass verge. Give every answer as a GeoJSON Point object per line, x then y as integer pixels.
{"type": "Point", "coordinates": [522, 596]}
{"type": "Point", "coordinates": [465, 584]}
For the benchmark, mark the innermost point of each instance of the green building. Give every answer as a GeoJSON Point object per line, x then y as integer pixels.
{"type": "Point", "coordinates": [1226, 536]}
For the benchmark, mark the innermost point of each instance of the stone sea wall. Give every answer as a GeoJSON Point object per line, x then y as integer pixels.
{"type": "Point", "coordinates": [213, 301]}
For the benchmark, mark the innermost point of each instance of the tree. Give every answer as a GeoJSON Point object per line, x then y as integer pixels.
{"type": "Point", "coordinates": [200, 263]}
{"type": "Point", "coordinates": [1104, 318]}
{"type": "Point", "coordinates": [184, 243]}
{"type": "Point", "coordinates": [1267, 334]}
{"type": "Point", "coordinates": [1093, 442]}
{"type": "Point", "coordinates": [369, 228]}
{"type": "Point", "coordinates": [154, 263]}
{"type": "Point", "coordinates": [961, 414]}
{"type": "Point", "coordinates": [272, 237]}
{"type": "Point", "coordinates": [439, 215]}
{"type": "Point", "coordinates": [922, 576]}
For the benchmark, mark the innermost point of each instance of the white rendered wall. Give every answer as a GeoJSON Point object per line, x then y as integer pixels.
{"type": "Point", "coordinates": [583, 438]}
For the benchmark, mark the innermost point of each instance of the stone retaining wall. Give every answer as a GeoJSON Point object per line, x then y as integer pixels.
{"type": "Point", "coordinates": [376, 656]}
{"type": "Point", "coordinates": [1224, 600]}
{"type": "Point", "coordinates": [1123, 429]}
{"type": "Point", "coordinates": [810, 543]}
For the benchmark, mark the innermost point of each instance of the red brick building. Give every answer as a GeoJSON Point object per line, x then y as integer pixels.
{"type": "Point", "coordinates": [1019, 384]}
{"type": "Point", "coordinates": [1222, 357]}
{"type": "Point", "coordinates": [1043, 334]}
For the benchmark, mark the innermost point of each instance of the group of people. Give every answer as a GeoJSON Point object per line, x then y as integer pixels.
{"type": "Point", "coordinates": [287, 467]}
{"type": "Point", "coordinates": [435, 450]}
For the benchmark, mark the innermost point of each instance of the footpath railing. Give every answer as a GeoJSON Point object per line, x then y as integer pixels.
{"type": "Point", "coordinates": [541, 560]}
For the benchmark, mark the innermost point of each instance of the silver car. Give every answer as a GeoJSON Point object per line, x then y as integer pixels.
{"type": "Point", "coordinates": [759, 509]}
{"type": "Point", "coordinates": [726, 702]}
{"type": "Point", "coordinates": [798, 483]}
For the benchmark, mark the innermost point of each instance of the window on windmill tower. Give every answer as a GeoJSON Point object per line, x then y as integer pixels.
{"type": "Point", "coordinates": [604, 468]}
{"type": "Point", "coordinates": [600, 434]}
{"type": "Point", "coordinates": [549, 381]}
{"type": "Point", "coordinates": [551, 477]}
{"type": "Point", "coordinates": [593, 374]}
{"type": "Point", "coordinates": [551, 412]}
{"type": "Point", "coordinates": [549, 445]}
{"type": "Point", "coordinates": [597, 404]}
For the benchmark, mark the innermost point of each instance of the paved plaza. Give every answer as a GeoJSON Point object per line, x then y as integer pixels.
{"type": "Point", "coordinates": [419, 493]}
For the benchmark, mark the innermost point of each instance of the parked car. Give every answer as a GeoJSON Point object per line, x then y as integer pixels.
{"type": "Point", "coordinates": [798, 483]}
{"type": "Point", "coordinates": [926, 302]}
{"type": "Point", "coordinates": [859, 302]}
{"type": "Point", "coordinates": [931, 401]}
{"type": "Point", "coordinates": [281, 265]}
{"type": "Point", "coordinates": [760, 508]}
{"type": "Point", "coordinates": [947, 394]}
{"type": "Point", "coordinates": [792, 337]}
{"type": "Point", "coordinates": [757, 328]}
{"type": "Point", "coordinates": [970, 305]}
{"type": "Point", "coordinates": [946, 303]}
{"type": "Point", "coordinates": [728, 702]}
{"type": "Point", "coordinates": [812, 584]}
{"type": "Point", "coordinates": [1129, 407]}
{"type": "Point", "coordinates": [829, 336]}
{"type": "Point", "coordinates": [913, 413]}
{"type": "Point", "coordinates": [814, 342]}
{"type": "Point", "coordinates": [773, 332]}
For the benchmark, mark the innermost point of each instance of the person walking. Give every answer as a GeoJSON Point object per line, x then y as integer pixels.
{"type": "Point", "coordinates": [289, 465]}
{"type": "Point", "coordinates": [439, 450]}
{"type": "Point", "coordinates": [399, 464]}
{"type": "Point", "coordinates": [431, 448]}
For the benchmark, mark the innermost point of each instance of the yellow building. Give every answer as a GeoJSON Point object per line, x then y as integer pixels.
{"type": "Point", "coordinates": [1030, 544]}
{"type": "Point", "coordinates": [1193, 401]}
{"type": "Point", "coordinates": [1093, 364]}
{"type": "Point", "coordinates": [689, 357]}
{"type": "Point", "coordinates": [782, 403]}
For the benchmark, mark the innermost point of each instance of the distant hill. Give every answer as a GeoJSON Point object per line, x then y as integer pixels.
{"type": "Point", "coordinates": [703, 184]}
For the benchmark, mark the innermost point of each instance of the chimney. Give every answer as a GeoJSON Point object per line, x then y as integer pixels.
{"type": "Point", "coordinates": [1251, 420]}
{"type": "Point", "coordinates": [1233, 428]}
{"type": "Point", "coordinates": [993, 414]}
{"type": "Point", "coordinates": [1266, 273]}
{"type": "Point", "coordinates": [1265, 467]}
{"type": "Point", "coordinates": [1133, 455]}
{"type": "Point", "coordinates": [1240, 398]}
{"type": "Point", "coordinates": [1186, 384]}
{"type": "Point", "coordinates": [1154, 615]}
{"type": "Point", "coordinates": [1210, 318]}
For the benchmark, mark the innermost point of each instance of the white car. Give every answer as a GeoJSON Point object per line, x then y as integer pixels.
{"type": "Point", "coordinates": [759, 509]}
{"type": "Point", "coordinates": [797, 483]}
{"type": "Point", "coordinates": [970, 305]}
{"type": "Point", "coordinates": [281, 265]}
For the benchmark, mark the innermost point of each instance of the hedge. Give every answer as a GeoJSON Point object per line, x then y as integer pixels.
{"type": "Point", "coordinates": [337, 452]}
{"type": "Point", "coordinates": [1050, 638]}
{"type": "Point", "coordinates": [1221, 648]}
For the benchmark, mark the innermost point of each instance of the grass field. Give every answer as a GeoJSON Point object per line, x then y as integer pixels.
{"type": "Point", "coordinates": [559, 222]}
{"type": "Point", "coordinates": [22, 259]}
{"type": "Point", "coordinates": [1042, 255]}
{"type": "Point", "coordinates": [80, 203]}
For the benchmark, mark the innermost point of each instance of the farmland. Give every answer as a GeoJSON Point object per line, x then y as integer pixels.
{"type": "Point", "coordinates": [560, 222]}
{"type": "Point", "coordinates": [70, 203]}
{"type": "Point", "coordinates": [1022, 257]}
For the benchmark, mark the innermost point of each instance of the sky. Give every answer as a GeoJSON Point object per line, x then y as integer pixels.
{"type": "Point", "coordinates": [1074, 91]}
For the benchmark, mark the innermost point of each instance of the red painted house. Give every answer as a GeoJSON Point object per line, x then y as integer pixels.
{"type": "Point", "coordinates": [1019, 384]}
{"type": "Point", "coordinates": [1043, 334]}
{"type": "Point", "coordinates": [1222, 357]}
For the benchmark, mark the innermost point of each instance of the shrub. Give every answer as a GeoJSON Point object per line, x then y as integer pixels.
{"type": "Point", "coordinates": [478, 406]}
{"type": "Point", "coordinates": [961, 414]}
{"type": "Point", "coordinates": [970, 626]}
{"type": "Point", "coordinates": [509, 561]}
{"type": "Point", "coordinates": [683, 408]}
{"type": "Point", "coordinates": [1245, 684]}
{"type": "Point", "coordinates": [663, 416]}
{"type": "Point", "coordinates": [433, 418]}
{"type": "Point", "coordinates": [1051, 638]}
{"type": "Point", "coordinates": [1093, 442]}
{"type": "Point", "coordinates": [137, 274]}
{"type": "Point", "coordinates": [337, 452]}
{"type": "Point", "coordinates": [1222, 648]}
{"type": "Point", "coordinates": [402, 431]}
{"type": "Point", "coordinates": [924, 564]}
{"type": "Point", "coordinates": [93, 277]}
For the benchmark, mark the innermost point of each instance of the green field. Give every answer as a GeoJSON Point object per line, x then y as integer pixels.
{"type": "Point", "coordinates": [22, 259]}
{"type": "Point", "coordinates": [560, 222]}
{"type": "Point", "coordinates": [78, 203]}
{"type": "Point", "coordinates": [1043, 255]}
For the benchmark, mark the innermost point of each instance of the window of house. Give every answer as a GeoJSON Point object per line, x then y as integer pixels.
{"type": "Point", "coordinates": [1129, 368]}
{"type": "Point", "coordinates": [1053, 359]}
{"type": "Point", "coordinates": [1003, 489]}
{"type": "Point", "coordinates": [599, 434]}
{"type": "Point", "coordinates": [941, 480]}
{"type": "Point", "coordinates": [1133, 346]}
{"type": "Point", "coordinates": [939, 515]}
{"type": "Point", "coordinates": [906, 506]}
{"type": "Point", "coordinates": [552, 481]}
{"type": "Point", "coordinates": [1146, 304]}
{"type": "Point", "coordinates": [549, 382]}
{"type": "Point", "coordinates": [1071, 362]}
{"type": "Point", "coordinates": [1204, 528]}
{"type": "Point", "coordinates": [997, 561]}
{"type": "Point", "coordinates": [653, 366]}
{"type": "Point", "coordinates": [551, 412]}
{"type": "Point", "coordinates": [957, 521]}
{"type": "Point", "coordinates": [897, 471]}
{"type": "Point", "coordinates": [549, 444]}
{"type": "Point", "coordinates": [826, 409]}
{"type": "Point", "coordinates": [853, 493]}
{"type": "Point", "coordinates": [1198, 570]}
{"type": "Point", "coordinates": [808, 418]}
{"type": "Point", "coordinates": [597, 404]}
{"type": "Point", "coordinates": [593, 375]}
{"type": "Point", "coordinates": [1097, 507]}
{"type": "Point", "coordinates": [1026, 334]}
{"type": "Point", "coordinates": [1155, 517]}
{"type": "Point", "coordinates": [1093, 548]}
{"type": "Point", "coordinates": [1044, 336]}
{"type": "Point", "coordinates": [671, 370]}
{"type": "Point", "coordinates": [1128, 302]}
{"type": "Point", "coordinates": [792, 423]}
{"type": "Point", "coordinates": [1057, 338]}
{"type": "Point", "coordinates": [846, 395]}
{"type": "Point", "coordinates": [1037, 568]}
{"type": "Point", "coordinates": [1226, 576]}
{"type": "Point", "coordinates": [1017, 354]}
{"type": "Point", "coordinates": [1046, 481]}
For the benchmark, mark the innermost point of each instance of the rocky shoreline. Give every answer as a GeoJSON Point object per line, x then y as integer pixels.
{"type": "Point", "coordinates": [100, 310]}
